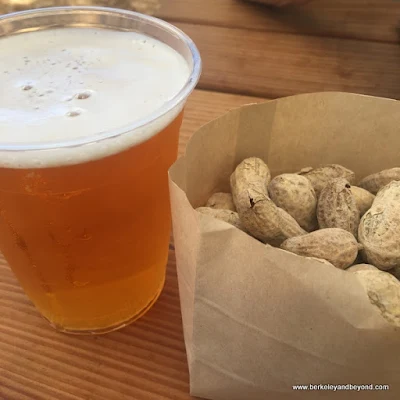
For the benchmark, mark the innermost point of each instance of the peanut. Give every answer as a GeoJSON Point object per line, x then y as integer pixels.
{"type": "Point", "coordinates": [379, 229]}
{"type": "Point", "coordinates": [335, 245]}
{"type": "Point", "coordinates": [337, 207]}
{"type": "Point", "coordinates": [258, 213]}
{"type": "Point", "coordinates": [375, 182]}
{"type": "Point", "coordinates": [362, 267]}
{"type": "Point", "coordinates": [320, 176]}
{"type": "Point", "coordinates": [223, 201]}
{"type": "Point", "coordinates": [363, 198]}
{"type": "Point", "coordinates": [295, 194]}
{"type": "Point", "coordinates": [383, 291]}
{"type": "Point", "coordinates": [231, 217]}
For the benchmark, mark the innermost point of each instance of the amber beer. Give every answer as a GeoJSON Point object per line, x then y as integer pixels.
{"type": "Point", "coordinates": [88, 130]}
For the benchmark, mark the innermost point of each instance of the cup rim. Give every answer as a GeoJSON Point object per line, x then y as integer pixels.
{"type": "Point", "coordinates": [179, 98]}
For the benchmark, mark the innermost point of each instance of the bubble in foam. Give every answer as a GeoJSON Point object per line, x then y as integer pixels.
{"type": "Point", "coordinates": [74, 113]}
{"type": "Point", "coordinates": [83, 95]}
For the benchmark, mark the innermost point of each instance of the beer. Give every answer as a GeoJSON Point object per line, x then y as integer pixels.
{"type": "Point", "coordinates": [89, 125]}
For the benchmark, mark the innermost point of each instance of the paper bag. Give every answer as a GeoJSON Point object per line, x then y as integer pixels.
{"type": "Point", "coordinates": [257, 320]}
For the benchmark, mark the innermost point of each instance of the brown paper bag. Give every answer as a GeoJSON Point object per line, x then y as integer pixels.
{"type": "Point", "coordinates": [258, 320]}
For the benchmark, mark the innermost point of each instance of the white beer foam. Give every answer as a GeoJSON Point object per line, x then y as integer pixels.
{"type": "Point", "coordinates": [72, 83]}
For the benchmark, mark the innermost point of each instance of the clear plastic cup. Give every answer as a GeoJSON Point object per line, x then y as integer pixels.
{"type": "Point", "coordinates": [85, 222]}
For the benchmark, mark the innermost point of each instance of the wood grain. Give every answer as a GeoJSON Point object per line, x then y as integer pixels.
{"type": "Point", "coordinates": [376, 20]}
{"type": "Point", "coordinates": [144, 361]}
{"type": "Point", "coordinates": [271, 65]}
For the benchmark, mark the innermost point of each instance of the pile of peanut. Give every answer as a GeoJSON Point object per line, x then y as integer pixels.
{"type": "Point", "coordinates": [323, 214]}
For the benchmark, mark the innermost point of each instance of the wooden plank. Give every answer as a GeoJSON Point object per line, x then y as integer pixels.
{"type": "Point", "coordinates": [359, 19]}
{"type": "Point", "coordinates": [144, 361]}
{"type": "Point", "coordinates": [269, 64]}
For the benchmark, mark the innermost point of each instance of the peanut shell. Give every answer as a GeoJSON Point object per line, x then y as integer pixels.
{"type": "Point", "coordinates": [337, 207]}
{"type": "Point", "coordinates": [258, 213]}
{"type": "Point", "coordinates": [320, 260]}
{"type": "Point", "coordinates": [379, 230]}
{"type": "Point", "coordinates": [231, 217]}
{"type": "Point", "coordinates": [383, 291]}
{"type": "Point", "coordinates": [335, 245]}
{"type": "Point", "coordinates": [295, 194]}
{"type": "Point", "coordinates": [252, 173]}
{"type": "Point", "coordinates": [362, 267]}
{"type": "Point", "coordinates": [223, 201]}
{"type": "Point", "coordinates": [363, 198]}
{"type": "Point", "coordinates": [375, 182]}
{"type": "Point", "coordinates": [320, 176]}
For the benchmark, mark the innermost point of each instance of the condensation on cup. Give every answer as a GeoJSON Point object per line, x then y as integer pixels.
{"type": "Point", "coordinates": [89, 124]}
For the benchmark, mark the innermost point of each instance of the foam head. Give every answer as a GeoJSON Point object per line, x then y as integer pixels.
{"type": "Point", "coordinates": [71, 83]}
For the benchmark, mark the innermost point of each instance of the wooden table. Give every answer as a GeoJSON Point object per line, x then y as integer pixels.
{"type": "Point", "coordinates": [248, 50]}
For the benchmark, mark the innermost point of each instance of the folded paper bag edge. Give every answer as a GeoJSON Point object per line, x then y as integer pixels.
{"type": "Point", "coordinates": [177, 172]}
{"type": "Point", "coordinates": [328, 95]}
